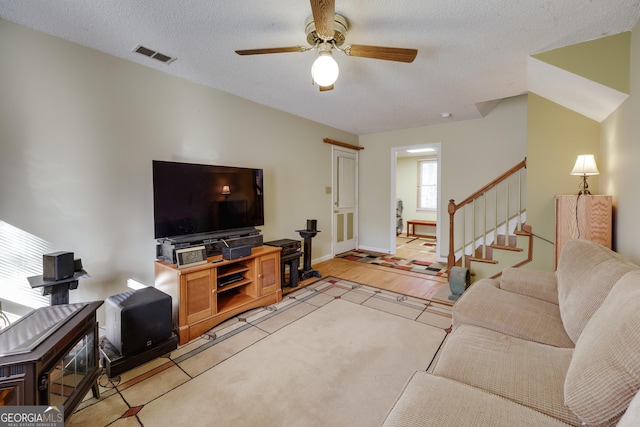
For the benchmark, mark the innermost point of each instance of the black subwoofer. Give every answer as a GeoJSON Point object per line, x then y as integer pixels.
{"type": "Point", "coordinates": [138, 320]}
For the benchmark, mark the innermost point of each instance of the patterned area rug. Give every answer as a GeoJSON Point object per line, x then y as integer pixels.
{"type": "Point", "coordinates": [338, 352]}
{"type": "Point", "coordinates": [422, 244]}
{"type": "Point", "coordinates": [385, 260]}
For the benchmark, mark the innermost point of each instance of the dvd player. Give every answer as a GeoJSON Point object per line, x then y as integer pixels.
{"type": "Point", "coordinates": [227, 280]}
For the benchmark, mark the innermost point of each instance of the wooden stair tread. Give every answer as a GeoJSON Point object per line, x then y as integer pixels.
{"type": "Point", "coordinates": [478, 256]}
{"type": "Point", "coordinates": [478, 252]}
{"type": "Point", "coordinates": [510, 240]}
{"type": "Point", "coordinates": [485, 260]}
{"type": "Point", "coordinates": [506, 248]}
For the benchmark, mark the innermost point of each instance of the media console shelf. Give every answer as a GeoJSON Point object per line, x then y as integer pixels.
{"type": "Point", "coordinates": [204, 296]}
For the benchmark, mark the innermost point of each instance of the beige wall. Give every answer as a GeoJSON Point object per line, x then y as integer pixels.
{"type": "Point", "coordinates": [620, 150]}
{"type": "Point", "coordinates": [556, 136]}
{"type": "Point", "coordinates": [79, 130]}
{"type": "Point", "coordinates": [472, 153]}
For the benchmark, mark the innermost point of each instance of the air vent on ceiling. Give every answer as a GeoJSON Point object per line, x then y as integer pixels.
{"type": "Point", "coordinates": [153, 54]}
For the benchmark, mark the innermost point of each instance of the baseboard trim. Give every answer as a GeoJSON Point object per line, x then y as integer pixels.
{"type": "Point", "coordinates": [321, 259]}
{"type": "Point", "coordinates": [373, 249]}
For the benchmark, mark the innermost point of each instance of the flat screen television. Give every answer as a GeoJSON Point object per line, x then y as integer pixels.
{"type": "Point", "coordinates": [199, 199]}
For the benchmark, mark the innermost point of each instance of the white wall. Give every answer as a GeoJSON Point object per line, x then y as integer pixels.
{"type": "Point", "coordinates": [472, 153]}
{"type": "Point", "coordinates": [79, 130]}
{"type": "Point", "coordinates": [620, 154]}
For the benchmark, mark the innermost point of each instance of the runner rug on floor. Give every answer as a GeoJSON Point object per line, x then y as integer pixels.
{"type": "Point", "coordinates": [413, 265]}
{"type": "Point", "coordinates": [335, 353]}
{"type": "Point", "coordinates": [427, 244]}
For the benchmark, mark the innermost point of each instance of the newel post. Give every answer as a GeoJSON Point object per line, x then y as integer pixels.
{"type": "Point", "coordinates": [451, 259]}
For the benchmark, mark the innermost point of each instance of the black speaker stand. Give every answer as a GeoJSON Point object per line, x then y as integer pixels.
{"type": "Point", "coordinates": [307, 272]}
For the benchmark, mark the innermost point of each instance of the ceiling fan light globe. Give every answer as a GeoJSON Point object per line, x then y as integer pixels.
{"type": "Point", "coordinates": [325, 69]}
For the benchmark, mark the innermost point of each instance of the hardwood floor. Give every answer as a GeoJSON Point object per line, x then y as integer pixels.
{"type": "Point", "coordinates": [405, 282]}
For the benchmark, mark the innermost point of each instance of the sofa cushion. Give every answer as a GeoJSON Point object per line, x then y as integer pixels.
{"type": "Point", "coordinates": [526, 372]}
{"type": "Point", "coordinates": [429, 400]}
{"type": "Point", "coordinates": [485, 304]}
{"type": "Point", "coordinates": [604, 374]}
{"type": "Point", "coordinates": [586, 273]}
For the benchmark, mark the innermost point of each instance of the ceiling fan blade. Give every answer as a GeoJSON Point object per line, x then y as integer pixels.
{"type": "Point", "coordinates": [272, 50]}
{"type": "Point", "coordinates": [379, 52]}
{"type": "Point", "coordinates": [323, 15]}
{"type": "Point", "coordinates": [325, 88]}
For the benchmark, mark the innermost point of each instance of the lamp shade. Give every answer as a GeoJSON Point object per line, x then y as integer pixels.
{"type": "Point", "coordinates": [226, 189]}
{"type": "Point", "coordinates": [585, 166]}
{"type": "Point", "coordinates": [325, 69]}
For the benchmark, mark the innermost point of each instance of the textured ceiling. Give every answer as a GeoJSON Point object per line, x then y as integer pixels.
{"type": "Point", "coordinates": [469, 52]}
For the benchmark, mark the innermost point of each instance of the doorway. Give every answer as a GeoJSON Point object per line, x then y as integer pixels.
{"type": "Point", "coordinates": [408, 194]}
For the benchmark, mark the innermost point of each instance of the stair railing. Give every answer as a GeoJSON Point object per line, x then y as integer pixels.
{"type": "Point", "coordinates": [495, 199]}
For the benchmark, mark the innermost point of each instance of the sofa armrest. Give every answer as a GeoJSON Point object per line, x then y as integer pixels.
{"type": "Point", "coordinates": [533, 283]}
{"type": "Point", "coordinates": [631, 417]}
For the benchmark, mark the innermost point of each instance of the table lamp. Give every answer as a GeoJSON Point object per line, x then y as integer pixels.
{"type": "Point", "coordinates": [585, 166]}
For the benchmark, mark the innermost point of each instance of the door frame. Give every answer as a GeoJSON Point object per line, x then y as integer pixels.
{"type": "Point", "coordinates": [392, 206]}
{"type": "Point", "coordinates": [335, 149]}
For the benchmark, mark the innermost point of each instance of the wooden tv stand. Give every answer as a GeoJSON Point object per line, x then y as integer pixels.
{"type": "Point", "coordinates": [204, 296]}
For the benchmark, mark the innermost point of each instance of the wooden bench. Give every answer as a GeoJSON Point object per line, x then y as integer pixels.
{"type": "Point", "coordinates": [411, 227]}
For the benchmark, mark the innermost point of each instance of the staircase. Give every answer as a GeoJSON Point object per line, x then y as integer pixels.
{"type": "Point", "coordinates": [517, 252]}
{"type": "Point", "coordinates": [487, 230]}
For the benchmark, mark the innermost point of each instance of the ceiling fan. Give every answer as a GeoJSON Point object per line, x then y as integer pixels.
{"type": "Point", "coordinates": [326, 31]}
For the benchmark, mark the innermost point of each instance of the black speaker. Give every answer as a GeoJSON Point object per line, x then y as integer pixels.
{"type": "Point", "coordinates": [138, 320]}
{"type": "Point", "coordinates": [57, 266]}
{"type": "Point", "coordinates": [236, 252]}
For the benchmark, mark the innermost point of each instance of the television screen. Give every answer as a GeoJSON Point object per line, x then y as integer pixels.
{"type": "Point", "coordinates": [193, 199]}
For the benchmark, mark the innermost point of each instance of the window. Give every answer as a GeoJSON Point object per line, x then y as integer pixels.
{"type": "Point", "coordinates": [21, 257]}
{"type": "Point", "coordinates": [428, 184]}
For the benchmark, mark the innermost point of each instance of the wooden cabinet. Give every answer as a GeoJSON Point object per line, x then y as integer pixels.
{"type": "Point", "coordinates": [198, 294]}
{"type": "Point", "coordinates": [588, 217]}
{"type": "Point", "coordinates": [204, 296]}
{"type": "Point", "coordinates": [268, 273]}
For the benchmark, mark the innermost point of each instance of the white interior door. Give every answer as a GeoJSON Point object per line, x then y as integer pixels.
{"type": "Point", "coordinates": [345, 200]}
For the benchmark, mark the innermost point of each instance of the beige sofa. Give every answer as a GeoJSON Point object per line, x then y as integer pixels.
{"type": "Point", "coordinates": [538, 349]}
